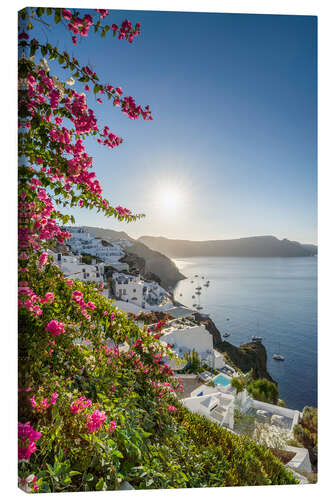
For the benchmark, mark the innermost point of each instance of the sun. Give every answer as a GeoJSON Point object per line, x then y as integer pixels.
{"type": "Point", "coordinates": [170, 198]}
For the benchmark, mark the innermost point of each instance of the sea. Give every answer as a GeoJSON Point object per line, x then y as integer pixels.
{"type": "Point", "coordinates": [274, 298]}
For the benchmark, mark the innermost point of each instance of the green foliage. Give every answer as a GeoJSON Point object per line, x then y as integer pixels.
{"type": "Point", "coordinates": [194, 364]}
{"type": "Point", "coordinates": [264, 390]}
{"type": "Point", "coordinates": [306, 433]}
{"type": "Point", "coordinates": [86, 259]}
{"type": "Point", "coordinates": [238, 383]}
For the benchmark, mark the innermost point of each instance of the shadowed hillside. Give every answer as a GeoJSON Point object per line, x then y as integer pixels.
{"type": "Point", "coordinates": [154, 262]}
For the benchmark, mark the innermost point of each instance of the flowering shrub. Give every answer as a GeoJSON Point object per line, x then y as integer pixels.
{"type": "Point", "coordinates": [97, 403]}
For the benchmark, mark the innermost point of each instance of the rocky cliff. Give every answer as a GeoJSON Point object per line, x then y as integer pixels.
{"type": "Point", "coordinates": [246, 357]}
{"type": "Point", "coordinates": [151, 264]}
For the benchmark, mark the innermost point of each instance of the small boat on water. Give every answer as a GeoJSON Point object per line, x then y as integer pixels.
{"type": "Point", "coordinates": [255, 338]}
{"type": "Point", "coordinates": [277, 356]}
{"type": "Point", "coordinates": [226, 334]}
{"type": "Point", "coordinates": [228, 319]}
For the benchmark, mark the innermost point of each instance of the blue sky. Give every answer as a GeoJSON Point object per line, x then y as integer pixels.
{"type": "Point", "coordinates": [231, 151]}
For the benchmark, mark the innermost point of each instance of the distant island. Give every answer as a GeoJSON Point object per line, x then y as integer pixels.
{"type": "Point", "coordinates": [255, 246]}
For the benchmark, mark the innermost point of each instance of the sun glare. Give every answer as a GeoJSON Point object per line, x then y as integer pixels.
{"type": "Point", "coordinates": [170, 198]}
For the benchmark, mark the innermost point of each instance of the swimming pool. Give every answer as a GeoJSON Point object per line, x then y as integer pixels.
{"type": "Point", "coordinates": [221, 380]}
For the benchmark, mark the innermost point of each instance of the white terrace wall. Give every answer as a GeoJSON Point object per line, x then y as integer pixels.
{"type": "Point", "coordinates": [197, 338]}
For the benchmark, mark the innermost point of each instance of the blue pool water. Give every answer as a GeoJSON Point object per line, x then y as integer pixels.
{"type": "Point", "coordinates": [221, 380]}
{"type": "Point", "coordinates": [274, 298]}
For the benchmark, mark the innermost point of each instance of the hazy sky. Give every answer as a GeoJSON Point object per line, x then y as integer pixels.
{"type": "Point", "coordinates": [231, 151]}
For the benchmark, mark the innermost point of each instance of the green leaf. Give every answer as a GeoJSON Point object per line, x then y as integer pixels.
{"type": "Point", "coordinates": [74, 473]}
{"type": "Point", "coordinates": [100, 484]}
{"type": "Point", "coordinates": [40, 11]}
{"type": "Point", "coordinates": [57, 16]}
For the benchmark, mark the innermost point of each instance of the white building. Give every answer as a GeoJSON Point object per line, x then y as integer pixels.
{"type": "Point", "coordinates": [185, 336]}
{"type": "Point", "coordinates": [72, 268]}
{"type": "Point", "coordinates": [148, 295]}
{"type": "Point", "coordinates": [83, 241]}
{"type": "Point", "coordinates": [214, 405]}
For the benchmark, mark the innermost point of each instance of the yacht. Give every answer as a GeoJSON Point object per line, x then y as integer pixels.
{"type": "Point", "coordinates": [226, 334]}
{"type": "Point", "coordinates": [255, 338]}
{"type": "Point", "coordinates": [277, 356]}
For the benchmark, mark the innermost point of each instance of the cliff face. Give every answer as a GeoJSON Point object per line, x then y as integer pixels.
{"type": "Point", "coordinates": [156, 264]}
{"type": "Point", "coordinates": [245, 357]}
{"type": "Point", "coordinates": [151, 264]}
{"type": "Point", "coordinates": [138, 264]}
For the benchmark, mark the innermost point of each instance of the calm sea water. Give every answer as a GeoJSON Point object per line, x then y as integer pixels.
{"type": "Point", "coordinates": [275, 298]}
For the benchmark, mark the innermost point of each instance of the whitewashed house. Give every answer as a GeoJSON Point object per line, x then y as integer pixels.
{"type": "Point", "coordinates": [186, 336]}
{"type": "Point", "coordinates": [72, 268]}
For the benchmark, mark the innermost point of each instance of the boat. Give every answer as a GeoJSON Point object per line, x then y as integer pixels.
{"type": "Point", "coordinates": [255, 338]}
{"type": "Point", "coordinates": [228, 319]}
{"type": "Point", "coordinates": [277, 356]}
{"type": "Point", "coordinates": [226, 334]}
{"type": "Point", "coordinates": [198, 288]}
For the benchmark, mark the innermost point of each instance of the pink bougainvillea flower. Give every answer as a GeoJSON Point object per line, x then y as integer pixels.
{"type": "Point", "coordinates": [54, 397]}
{"type": "Point", "coordinates": [43, 259]}
{"type": "Point", "coordinates": [95, 420]}
{"type": "Point", "coordinates": [26, 440]}
{"type": "Point", "coordinates": [55, 327]}
{"type": "Point", "coordinates": [112, 426]}
{"type": "Point", "coordinates": [171, 408]}
{"type": "Point", "coordinates": [23, 36]}
{"type": "Point", "coordinates": [66, 14]}
{"type": "Point", "coordinates": [80, 404]}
